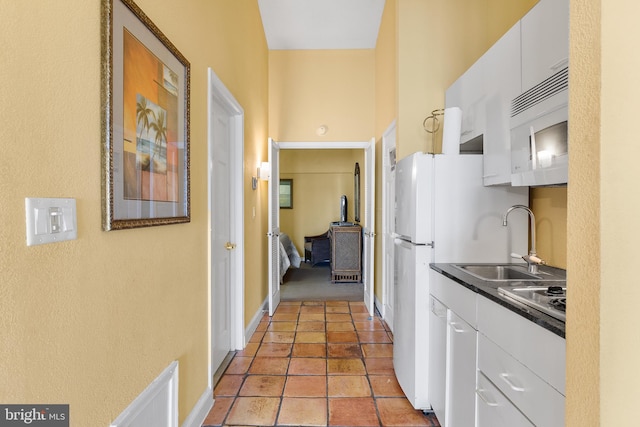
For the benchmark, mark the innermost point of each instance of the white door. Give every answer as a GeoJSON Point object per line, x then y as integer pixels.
{"type": "Point", "coordinates": [388, 220]}
{"type": "Point", "coordinates": [274, 227]}
{"type": "Point", "coordinates": [225, 136]}
{"type": "Point", "coordinates": [369, 225]}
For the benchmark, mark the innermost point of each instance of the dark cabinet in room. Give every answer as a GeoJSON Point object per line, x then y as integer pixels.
{"type": "Point", "coordinates": [346, 253]}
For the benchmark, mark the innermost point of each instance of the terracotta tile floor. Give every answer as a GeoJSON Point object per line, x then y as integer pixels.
{"type": "Point", "coordinates": [315, 364]}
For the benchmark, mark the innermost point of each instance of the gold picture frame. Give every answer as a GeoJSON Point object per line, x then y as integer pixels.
{"type": "Point", "coordinates": [145, 128]}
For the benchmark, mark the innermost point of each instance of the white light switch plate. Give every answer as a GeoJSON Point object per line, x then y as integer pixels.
{"type": "Point", "coordinates": [50, 220]}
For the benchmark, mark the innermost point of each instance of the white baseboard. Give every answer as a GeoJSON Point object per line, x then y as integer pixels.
{"type": "Point", "coordinates": [200, 411]}
{"type": "Point", "coordinates": [255, 321]}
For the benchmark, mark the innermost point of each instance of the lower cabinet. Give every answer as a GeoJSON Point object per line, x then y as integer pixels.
{"type": "Point", "coordinates": [488, 366]}
{"type": "Point", "coordinates": [525, 363]}
{"type": "Point", "coordinates": [494, 409]}
{"type": "Point", "coordinates": [461, 372]}
{"type": "Point", "coordinates": [452, 352]}
{"type": "Point", "coordinates": [437, 357]}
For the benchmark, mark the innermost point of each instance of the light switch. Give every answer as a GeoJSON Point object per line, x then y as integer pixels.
{"type": "Point", "coordinates": [50, 220]}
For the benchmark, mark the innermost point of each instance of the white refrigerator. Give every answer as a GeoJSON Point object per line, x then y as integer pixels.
{"type": "Point", "coordinates": [444, 214]}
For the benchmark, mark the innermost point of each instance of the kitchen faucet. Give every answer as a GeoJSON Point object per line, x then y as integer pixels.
{"type": "Point", "coordinates": [532, 259]}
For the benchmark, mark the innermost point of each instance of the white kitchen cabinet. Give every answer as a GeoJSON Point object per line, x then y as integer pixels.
{"type": "Point", "coordinates": [461, 372]}
{"type": "Point", "coordinates": [545, 41]}
{"type": "Point", "coordinates": [494, 409]}
{"type": "Point", "coordinates": [468, 93]}
{"type": "Point", "coordinates": [524, 361]}
{"type": "Point", "coordinates": [502, 84]}
{"type": "Point", "coordinates": [437, 357]}
{"type": "Point", "coordinates": [454, 353]}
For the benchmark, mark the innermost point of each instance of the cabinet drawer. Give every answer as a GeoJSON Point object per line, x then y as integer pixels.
{"type": "Point", "coordinates": [520, 385]}
{"type": "Point", "coordinates": [456, 297]}
{"type": "Point", "coordinates": [540, 350]}
{"type": "Point", "coordinates": [495, 410]}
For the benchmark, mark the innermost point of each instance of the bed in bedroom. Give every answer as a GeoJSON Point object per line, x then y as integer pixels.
{"type": "Point", "coordinates": [289, 255]}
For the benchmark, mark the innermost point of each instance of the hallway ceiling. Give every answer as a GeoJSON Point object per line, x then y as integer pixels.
{"type": "Point", "coordinates": [321, 24]}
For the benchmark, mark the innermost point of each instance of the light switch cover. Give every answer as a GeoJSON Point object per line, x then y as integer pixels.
{"type": "Point", "coordinates": [50, 220]}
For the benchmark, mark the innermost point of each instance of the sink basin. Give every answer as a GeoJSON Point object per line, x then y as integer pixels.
{"type": "Point", "coordinates": [512, 273]}
{"type": "Point", "coordinates": [502, 273]}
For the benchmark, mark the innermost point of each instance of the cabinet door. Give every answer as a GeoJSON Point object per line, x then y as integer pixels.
{"type": "Point", "coordinates": [503, 83]}
{"type": "Point", "coordinates": [468, 93]}
{"type": "Point", "coordinates": [545, 41]}
{"type": "Point", "coordinates": [461, 372]}
{"type": "Point", "coordinates": [437, 357]}
{"type": "Point", "coordinates": [495, 410]}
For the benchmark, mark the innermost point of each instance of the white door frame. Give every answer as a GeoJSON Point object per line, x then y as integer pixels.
{"type": "Point", "coordinates": [388, 219]}
{"type": "Point", "coordinates": [370, 201]}
{"type": "Point", "coordinates": [274, 226]}
{"type": "Point", "coordinates": [221, 94]}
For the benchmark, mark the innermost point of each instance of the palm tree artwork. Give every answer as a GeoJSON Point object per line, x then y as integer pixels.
{"type": "Point", "coordinates": [150, 118]}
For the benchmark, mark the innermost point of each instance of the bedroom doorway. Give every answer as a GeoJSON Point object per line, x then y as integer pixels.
{"type": "Point", "coordinates": [368, 224]}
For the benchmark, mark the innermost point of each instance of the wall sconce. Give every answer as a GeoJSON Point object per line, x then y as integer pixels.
{"type": "Point", "coordinates": [263, 172]}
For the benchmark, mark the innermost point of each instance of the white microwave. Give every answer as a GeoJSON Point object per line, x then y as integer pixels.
{"type": "Point", "coordinates": [539, 136]}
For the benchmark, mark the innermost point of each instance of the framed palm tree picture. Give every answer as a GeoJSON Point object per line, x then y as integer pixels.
{"type": "Point", "coordinates": [145, 122]}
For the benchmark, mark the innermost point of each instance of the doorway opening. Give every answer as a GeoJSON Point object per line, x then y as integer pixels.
{"type": "Point", "coordinates": [366, 155]}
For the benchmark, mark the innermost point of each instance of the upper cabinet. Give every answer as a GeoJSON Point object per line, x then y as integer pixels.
{"type": "Point", "coordinates": [468, 93]}
{"type": "Point", "coordinates": [545, 41]}
{"type": "Point", "coordinates": [534, 50]}
{"type": "Point", "coordinates": [502, 84]}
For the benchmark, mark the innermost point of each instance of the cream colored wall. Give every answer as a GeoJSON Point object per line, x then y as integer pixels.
{"type": "Point", "coordinates": [320, 178]}
{"type": "Point", "coordinates": [619, 205]}
{"type": "Point", "coordinates": [92, 322]}
{"type": "Point", "coordinates": [308, 89]}
{"type": "Point", "coordinates": [437, 41]}
{"type": "Point", "coordinates": [594, 341]}
{"type": "Point", "coordinates": [602, 212]}
{"type": "Point", "coordinates": [386, 112]}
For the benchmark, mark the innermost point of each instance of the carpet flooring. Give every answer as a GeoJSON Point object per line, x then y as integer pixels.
{"type": "Point", "coordinates": [314, 284]}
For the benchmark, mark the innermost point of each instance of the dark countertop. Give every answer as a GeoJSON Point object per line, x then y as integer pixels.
{"type": "Point", "coordinates": [489, 290]}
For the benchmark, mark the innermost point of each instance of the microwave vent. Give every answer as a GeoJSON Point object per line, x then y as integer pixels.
{"type": "Point", "coordinates": [549, 87]}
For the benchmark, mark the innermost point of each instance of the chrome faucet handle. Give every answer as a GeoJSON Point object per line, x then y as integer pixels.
{"type": "Point", "coordinates": [533, 261]}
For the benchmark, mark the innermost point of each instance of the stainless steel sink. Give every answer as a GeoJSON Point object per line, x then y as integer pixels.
{"type": "Point", "coordinates": [506, 273]}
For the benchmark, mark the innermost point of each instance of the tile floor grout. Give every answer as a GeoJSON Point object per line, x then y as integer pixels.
{"type": "Point", "coordinates": [242, 406]}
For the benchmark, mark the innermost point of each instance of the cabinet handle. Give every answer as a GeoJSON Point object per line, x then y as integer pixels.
{"type": "Point", "coordinates": [506, 379]}
{"type": "Point", "coordinates": [481, 394]}
{"type": "Point", "coordinates": [455, 328]}
{"type": "Point", "coordinates": [441, 314]}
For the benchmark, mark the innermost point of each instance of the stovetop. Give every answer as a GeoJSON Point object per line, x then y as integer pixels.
{"type": "Point", "coordinates": [551, 300]}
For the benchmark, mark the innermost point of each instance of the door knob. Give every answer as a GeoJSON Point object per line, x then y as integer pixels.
{"type": "Point", "coordinates": [229, 246]}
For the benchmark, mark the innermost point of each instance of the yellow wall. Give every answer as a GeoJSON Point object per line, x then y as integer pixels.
{"type": "Point", "coordinates": [602, 213]}
{"type": "Point", "coordinates": [92, 322]}
{"type": "Point", "coordinates": [427, 34]}
{"type": "Point", "coordinates": [320, 178]}
{"type": "Point", "coordinates": [308, 89]}
{"type": "Point", "coordinates": [550, 208]}
{"type": "Point", "coordinates": [386, 111]}
{"type": "Point", "coordinates": [595, 347]}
